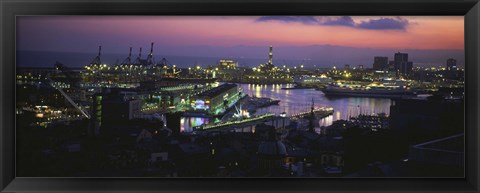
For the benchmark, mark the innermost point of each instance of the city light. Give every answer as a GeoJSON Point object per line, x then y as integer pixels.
{"type": "Point", "coordinates": [262, 114]}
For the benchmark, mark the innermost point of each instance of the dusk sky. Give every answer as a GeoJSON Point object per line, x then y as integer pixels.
{"type": "Point", "coordinates": [233, 36]}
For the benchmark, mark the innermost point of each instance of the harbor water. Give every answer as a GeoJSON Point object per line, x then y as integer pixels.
{"type": "Point", "coordinates": [293, 101]}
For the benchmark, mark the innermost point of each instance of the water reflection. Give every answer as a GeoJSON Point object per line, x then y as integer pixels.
{"type": "Point", "coordinates": [326, 121]}
{"type": "Point", "coordinates": [187, 123]}
{"type": "Point", "coordinates": [299, 100]}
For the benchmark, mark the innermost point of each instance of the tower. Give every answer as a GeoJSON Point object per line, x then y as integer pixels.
{"type": "Point", "coordinates": [270, 56]}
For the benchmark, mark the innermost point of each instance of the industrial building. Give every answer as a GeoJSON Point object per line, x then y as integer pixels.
{"type": "Point", "coordinates": [227, 64]}
{"type": "Point", "coordinates": [216, 100]}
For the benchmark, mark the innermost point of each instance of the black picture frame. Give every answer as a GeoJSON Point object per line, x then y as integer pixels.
{"type": "Point", "coordinates": [9, 9]}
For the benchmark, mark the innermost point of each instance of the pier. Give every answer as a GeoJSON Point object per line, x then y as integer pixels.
{"type": "Point", "coordinates": [238, 123]}
{"type": "Point", "coordinates": [320, 113]}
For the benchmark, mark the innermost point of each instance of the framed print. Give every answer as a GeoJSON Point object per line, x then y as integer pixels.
{"type": "Point", "coordinates": [252, 96]}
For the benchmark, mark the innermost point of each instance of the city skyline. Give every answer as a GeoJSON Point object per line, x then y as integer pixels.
{"type": "Point", "coordinates": [270, 96]}
{"type": "Point", "coordinates": [436, 38]}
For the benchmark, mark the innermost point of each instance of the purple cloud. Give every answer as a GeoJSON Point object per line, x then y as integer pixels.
{"type": "Point", "coordinates": [396, 23]}
{"type": "Point", "coordinates": [342, 21]}
{"type": "Point", "coordinates": [385, 24]}
{"type": "Point", "coordinates": [309, 20]}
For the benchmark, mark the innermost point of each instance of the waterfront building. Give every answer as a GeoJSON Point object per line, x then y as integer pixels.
{"type": "Point", "coordinates": [216, 100]}
{"type": "Point", "coordinates": [166, 100]}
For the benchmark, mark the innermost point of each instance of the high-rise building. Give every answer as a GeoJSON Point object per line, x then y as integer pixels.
{"type": "Point", "coordinates": [451, 64]}
{"type": "Point", "coordinates": [401, 64]}
{"type": "Point", "coordinates": [380, 63]}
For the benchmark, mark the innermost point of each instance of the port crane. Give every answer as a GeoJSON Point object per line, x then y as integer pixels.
{"type": "Point", "coordinates": [128, 60]}
{"type": "Point", "coordinates": [138, 60]}
{"type": "Point", "coordinates": [150, 61]}
{"type": "Point", "coordinates": [165, 63]}
{"type": "Point", "coordinates": [74, 83]}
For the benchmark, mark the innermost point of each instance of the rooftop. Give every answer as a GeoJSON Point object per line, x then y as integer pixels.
{"type": "Point", "coordinates": [217, 90]}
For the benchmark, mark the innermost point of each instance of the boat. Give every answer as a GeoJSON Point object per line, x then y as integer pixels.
{"type": "Point", "coordinates": [320, 112]}
{"type": "Point", "coordinates": [262, 102]}
{"type": "Point", "coordinates": [372, 90]}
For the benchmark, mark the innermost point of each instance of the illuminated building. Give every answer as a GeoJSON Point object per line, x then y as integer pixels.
{"type": "Point", "coordinates": [216, 100]}
{"type": "Point", "coordinates": [96, 109]}
{"type": "Point", "coordinates": [227, 64]}
{"type": "Point", "coordinates": [167, 99]}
